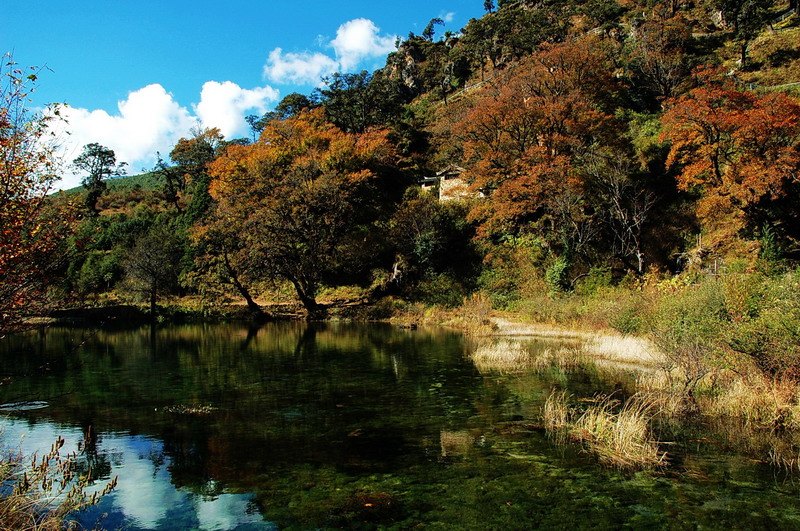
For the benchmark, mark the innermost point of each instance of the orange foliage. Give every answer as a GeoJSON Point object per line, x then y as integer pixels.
{"type": "Point", "coordinates": [737, 148]}
{"type": "Point", "coordinates": [288, 205]}
{"type": "Point", "coordinates": [521, 138]}
{"type": "Point", "coordinates": [30, 227]}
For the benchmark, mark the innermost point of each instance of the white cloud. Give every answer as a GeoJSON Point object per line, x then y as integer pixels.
{"type": "Point", "coordinates": [300, 68]}
{"type": "Point", "coordinates": [224, 105]}
{"type": "Point", "coordinates": [447, 17]}
{"type": "Point", "coordinates": [356, 40]}
{"type": "Point", "coordinates": [150, 121]}
{"type": "Point", "coordinates": [359, 39]}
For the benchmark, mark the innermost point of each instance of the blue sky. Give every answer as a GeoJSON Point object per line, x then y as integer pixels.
{"type": "Point", "coordinates": [138, 75]}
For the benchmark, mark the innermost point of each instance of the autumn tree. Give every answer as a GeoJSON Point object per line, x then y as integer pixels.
{"type": "Point", "coordinates": [740, 151]}
{"type": "Point", "coordinates": [291, 105]}
{"type": "Point", "coordinates": [97, 163]}
{"type": "Point", "coordinates": [223, 256]}
{"type": "Point", "coordinates": [522, 141]}
{"type": "Point", "coordinates": [32, 228]}
{"type": "Point", "coordinates": [300, 202]}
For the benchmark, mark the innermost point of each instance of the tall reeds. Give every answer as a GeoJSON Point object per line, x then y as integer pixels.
{"type": "Point", "coordinates": [44, 491]}
{"type": "Point", "coordinates": [617, 433]}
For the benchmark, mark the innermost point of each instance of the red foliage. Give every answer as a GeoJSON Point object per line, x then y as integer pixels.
{"type": "Point", "coordinates": [737, 148]}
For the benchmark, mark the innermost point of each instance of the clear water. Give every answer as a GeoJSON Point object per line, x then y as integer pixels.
{"type": "Point", "coordinates": [357, 426]}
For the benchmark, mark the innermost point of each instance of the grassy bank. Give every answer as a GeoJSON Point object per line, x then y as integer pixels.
{"type": "Point", "coordinates": [725, 356]}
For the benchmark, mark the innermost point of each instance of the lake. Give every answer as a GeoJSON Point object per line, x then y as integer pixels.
{"type": "Point", "coordinates": [299, 426]}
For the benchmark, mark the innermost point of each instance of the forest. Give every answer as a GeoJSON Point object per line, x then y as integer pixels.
{"type": "Point", "coordinates": [625, 165]}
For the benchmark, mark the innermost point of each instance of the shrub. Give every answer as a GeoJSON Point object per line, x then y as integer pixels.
{"type": "Point", "coordinates": [556, 274]}
{"type": "Point", "coordinates": [687, 327]}
{"type": "Point", "coordinates": [770, 335]}
{"type": "Point", "coordinates": [595, 280]}
{"type": "Point", "coordinates": [442, 290]}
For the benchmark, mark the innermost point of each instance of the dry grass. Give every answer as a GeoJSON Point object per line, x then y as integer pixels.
{"type": "Point", "coordinates": [756, 401]}
{"type": "Point", "coordinates": [618, 434]}
{"type": "Point", "coordinates": [508, 328]}
{"type": "Point", "coordinates": [557, 415]}
{"type": "Point", "coordinates": [620, 437]}
{"type": "Point", "coordinates": [636, 351]}
{"type": "Point", "coordinates": [44, 491]}
{"type": "Point", "coordinates": [510, 356]}
{"type": "Point", "coordinates": [501, 356]}
{"type": "Point", "coordinates": [756, 415]}
{"type": "Point", "coordinates": [475, 312]}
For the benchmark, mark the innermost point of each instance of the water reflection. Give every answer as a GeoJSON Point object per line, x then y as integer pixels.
{"type": "Point", "coordinates": [337, 425]}
{"type": "Point", "coordinates": [145, 497]}
{"type": "Point", "coordinates": [211, 410]}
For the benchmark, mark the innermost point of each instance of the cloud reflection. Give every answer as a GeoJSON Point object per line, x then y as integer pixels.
{"type": "Point", "coordinates": [145, 497]}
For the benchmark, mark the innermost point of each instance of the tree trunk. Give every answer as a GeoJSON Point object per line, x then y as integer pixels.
{"type": "Point", "coordinates": [153, 306]}
{"type": "Point", "coordinates": [743, 57]}
{"type": "Point", "coordinates": [316, 311]}
{"type": "Point", "coordinates": [251, 304]}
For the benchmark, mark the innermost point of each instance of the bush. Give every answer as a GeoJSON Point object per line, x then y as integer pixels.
{"type": "Point", "coordinates": [596, 279]}
{"type": "Point", "coordinates": [442, 290]}
{"type": "Point", "coordinates": [769, 333]}
{"type": "Point", "coordinates": [556, 274]}
{"type": "Point", "coordinates": [688, 328]}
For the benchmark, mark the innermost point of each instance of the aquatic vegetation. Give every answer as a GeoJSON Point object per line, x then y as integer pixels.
{"type": "Point", "coordinates": [189, 410]}
{"type": "Point", "coordinates": [617, 433]}
{"type": "Point", "coordinates": [456, 443]}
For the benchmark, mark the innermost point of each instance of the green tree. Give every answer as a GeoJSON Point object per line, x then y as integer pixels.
{"type": "Point", "coordinates": [152, 264]}
{"type": "Point", "coordinates": [747, 18]}
{"type": "Point", "coordinates": [358, 102]}
{"type": "Point", "coordinates": [191, 157]}
{"type": "Point", "coordinates": [430, 29]}
{"type": "Point", "coordinates": [431, 239]}
{"type": "Point", "coordinates": [97, 163]}
{"type": "Point", "coordinates": [174, 182]}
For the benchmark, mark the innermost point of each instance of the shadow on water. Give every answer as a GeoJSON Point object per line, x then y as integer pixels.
{"type": "Point", "coordinates": [342, 425]}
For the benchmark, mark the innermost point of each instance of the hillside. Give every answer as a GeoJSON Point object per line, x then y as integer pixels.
{"type": "Point", "coordinates": [144, 181]}
{"type": "Point", "coordinates": [596, 141]}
